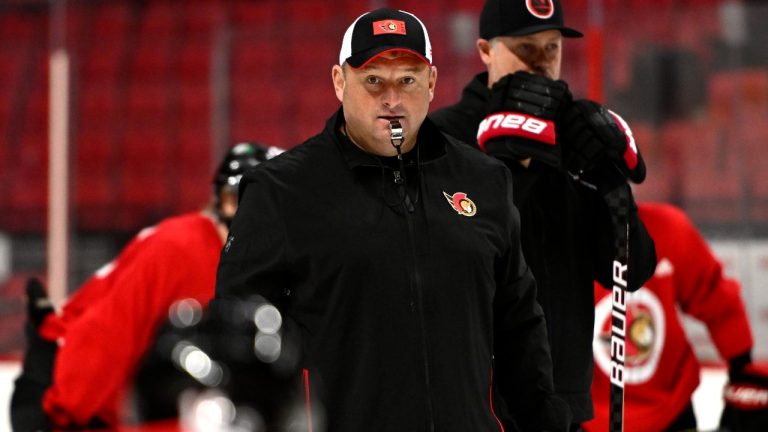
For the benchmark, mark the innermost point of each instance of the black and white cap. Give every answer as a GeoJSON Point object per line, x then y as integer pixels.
{"type": "Point", "coordinates": [522, 17]}
{"type": "Point", "coordinates": [383, 30]}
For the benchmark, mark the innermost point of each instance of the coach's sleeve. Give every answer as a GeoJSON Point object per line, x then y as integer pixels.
{"type": "Point", "coordinates": [523, 364]}
{"type": "Point", "coordinates": [255, 258]}
{"type": "Point", "coordinates": [642, 250]}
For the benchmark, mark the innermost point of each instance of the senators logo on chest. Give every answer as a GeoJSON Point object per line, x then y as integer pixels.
{"type": "Point", "coordinates": [460, 202]}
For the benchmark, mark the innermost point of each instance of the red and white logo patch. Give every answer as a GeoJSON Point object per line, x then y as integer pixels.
{"type": "Point", "coordinates": [540, 8]}
{"type": "Point", "coordinates": [645, 335]}
{"type": "Point", "coordinates": [461, 203]}
{"type": "Point", "coordinates": [389, 27]}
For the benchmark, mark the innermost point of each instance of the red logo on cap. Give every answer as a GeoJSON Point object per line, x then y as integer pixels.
{"type": "Point", "coordinates": [540, 8]}
{"type": "Point", "coordinates": [389, 27]}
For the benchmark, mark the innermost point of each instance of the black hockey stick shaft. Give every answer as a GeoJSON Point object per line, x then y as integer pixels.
{"type": "Point", "coordinates": [618, 201]}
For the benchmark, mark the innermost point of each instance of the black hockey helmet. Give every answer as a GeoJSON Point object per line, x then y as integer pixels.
{"type": "Point", "coordinates": [239, 159]}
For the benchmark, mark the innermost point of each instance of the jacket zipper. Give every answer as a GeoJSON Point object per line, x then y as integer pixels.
{"type": "Point", "coordinates": [417, 291]}
{"type": "Point", "coordinates": [403, 192]}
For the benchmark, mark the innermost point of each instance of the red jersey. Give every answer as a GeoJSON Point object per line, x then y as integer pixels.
{"type": "Point", "coordinates": [662, 371]}
{"type": "Point", "coordinates": [110, 322]}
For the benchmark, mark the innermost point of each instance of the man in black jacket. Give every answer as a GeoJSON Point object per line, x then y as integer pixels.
{"type": "Point", "coordinates": [394, 251]}
{"type": "Point", "coordinates": [566, 157]}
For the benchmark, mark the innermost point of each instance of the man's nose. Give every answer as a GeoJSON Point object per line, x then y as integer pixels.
{"type": "Point", "coordinates": [391, 97]}
{"type": "Point", "coordinates": [539, 62]}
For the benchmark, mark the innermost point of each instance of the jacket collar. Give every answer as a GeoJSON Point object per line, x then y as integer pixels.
{"type": "Point", "coordinates": [430, 145]}
{"type": "Point", "coordinates": [476, 95]}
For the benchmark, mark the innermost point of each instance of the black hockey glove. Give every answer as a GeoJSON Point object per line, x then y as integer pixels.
{"type": "Point", "coordinates": [746, 397]}
{"type": "Point", "coordinates": [26, 408]}
{"type": "Point", "coordinates": [521, 120]}
{"type": "Point", "coordinates": [38, 304]}
{"type": "Point", "coordinates": [598, 146]}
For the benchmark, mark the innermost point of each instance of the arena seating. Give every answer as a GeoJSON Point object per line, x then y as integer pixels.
{"type": "Point", "coordinates": [144, 140]}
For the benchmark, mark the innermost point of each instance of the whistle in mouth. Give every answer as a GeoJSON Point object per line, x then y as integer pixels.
{"type": "Point", "coordinates": [395, 132]}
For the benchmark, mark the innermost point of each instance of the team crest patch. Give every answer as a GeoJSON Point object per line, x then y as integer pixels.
{"type": "Point", "coordinates": [645, 336]}
{"type": "Point", "coordinates": [540, 8]}
{"type": "Point", "coordinates": [461, 203]}
{"type": "Point", "coordinates": [389, 27]}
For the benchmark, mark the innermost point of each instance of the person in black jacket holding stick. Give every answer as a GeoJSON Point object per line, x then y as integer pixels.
{"type": "Point", "coordinates": [566, 156]}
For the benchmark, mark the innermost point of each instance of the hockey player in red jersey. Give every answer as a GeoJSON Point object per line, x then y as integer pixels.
{"type": "Point", "coordinates": [95, 343]}
{"type": "Point", "coordinates": [662, 371]}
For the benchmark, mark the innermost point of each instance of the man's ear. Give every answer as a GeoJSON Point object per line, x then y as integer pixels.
{"type": "Point", "coordinates": [484, 49]}
{"type": "Point", "coordinates": [432, 82]}
{"type": "Point", "coordinates": [339, 81]}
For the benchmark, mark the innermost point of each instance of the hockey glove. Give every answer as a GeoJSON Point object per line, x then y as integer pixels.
{"type": "Point", "coordinates": [746, 399]}
{"type": "Point", "coordinates": [598, 146]}
{"type": "Point", "coordinates": [38, 304]}
{"type": "Point", "coordinates": [26, 409]}
{"type": "Point", "coordinates": [521, 121]}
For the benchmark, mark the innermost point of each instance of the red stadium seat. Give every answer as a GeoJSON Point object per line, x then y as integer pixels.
{"type": "Point", "coordinates": [97, 103]}
{"type": "Point", "coordinates": [710, 177]}
{"type": "Point", "coordinates": [95, 148]}
{"type": "Point", "coordinates": [102, 59]}
{"type": "Point", "coordinates": [109, 19]}
{"type": "Point", "coordinates": [659, 179]}
{"type": "Point", "coordinates": [160, 18]}
{"type": "Point", "coordinates": [148, 104]}
{"type": "Point", "coordinates": [19, 27]}
{"type": "Point", "coordinates": [249, 14]}
{"type": "Point", "coordinates": [152, 58]}
{"type": "Point", "coordinates": [202, 17]}
{"type": "Point", "coordinates": [28, 192]}
{"type": "Point", "coordinates": [307, 14]}
{"type": "Point", "coordinates": [195, 62]}
{"type": "Point", "coordinates": [195, 104]}
{"type": "Point", "coordinates": [195, 169]}
{"type": "Point", "coordinates": [752, 138]}
{"type": "Point", "coordinates": [738, 94]}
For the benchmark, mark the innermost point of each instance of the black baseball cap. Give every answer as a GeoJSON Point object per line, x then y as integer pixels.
{"type": "Point", "coordinates": [522, 17]}
{"type": "Point", "coordinates": [382, 30]}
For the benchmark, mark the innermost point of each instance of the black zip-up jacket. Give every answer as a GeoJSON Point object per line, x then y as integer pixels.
{"type": "Point", "coordinates": [402, 301]}
{"type": "Point", "coordinates": [567, 240]}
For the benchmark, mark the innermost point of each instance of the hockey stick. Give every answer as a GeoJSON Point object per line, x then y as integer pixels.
{"type": "Point", "coordinates": [618, 201]}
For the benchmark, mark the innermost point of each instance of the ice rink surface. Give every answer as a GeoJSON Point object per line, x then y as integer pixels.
{"type": "Point", "coordinates": [707, 401]}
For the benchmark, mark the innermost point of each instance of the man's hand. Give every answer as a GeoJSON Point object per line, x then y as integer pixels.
{"type": "Point", "coordinates": [746, 398]}
{"type": "Point", "coordinates": [598, 146]}
{"type": "Point", "coordinates": [521, 120]}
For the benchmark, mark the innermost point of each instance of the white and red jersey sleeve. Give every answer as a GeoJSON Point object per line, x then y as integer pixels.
{"type": "Point", "coordinates": [662, 371]}
{"type": "Point", "coordinates": [109, 323]}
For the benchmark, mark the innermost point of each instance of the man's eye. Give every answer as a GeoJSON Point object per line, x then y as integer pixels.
{"type": "Point", "coordinates": [408, 80]}
{"type": "Point", "coordinates": [372, 80]}
{"type": "Point", "coordinates": [523, 50]}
